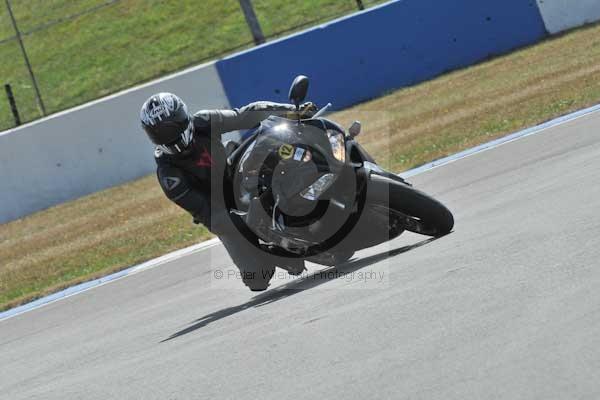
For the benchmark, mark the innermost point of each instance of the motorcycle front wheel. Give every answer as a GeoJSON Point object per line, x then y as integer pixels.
{"type": "Point", "coordinates": [417, 211]}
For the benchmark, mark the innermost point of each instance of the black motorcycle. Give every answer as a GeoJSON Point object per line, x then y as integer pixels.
{"type": "Point", "coordinates": [307, 189]}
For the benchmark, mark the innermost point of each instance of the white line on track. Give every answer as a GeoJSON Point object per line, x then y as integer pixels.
{"type": "Point", "coordinates": [73, 290]}
{"type": "Point", "coordinates": [213, 242]}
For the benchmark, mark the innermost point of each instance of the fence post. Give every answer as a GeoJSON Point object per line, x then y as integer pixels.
{"type": "Point", "coordinates": [360, 4]}
{"type": "Point", "coordinates": [31, 75]}
{"type": "Point", "coordinates": [252, 21]}
{"type": "Point", "coordinates": [13, 104]}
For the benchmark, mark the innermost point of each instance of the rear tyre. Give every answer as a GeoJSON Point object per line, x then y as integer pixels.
{"type": "Point", "coordinates": [419, 212]}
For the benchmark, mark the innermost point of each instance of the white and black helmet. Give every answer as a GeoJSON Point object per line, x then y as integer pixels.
{"type": "Point", "coordinates": [166, 120]}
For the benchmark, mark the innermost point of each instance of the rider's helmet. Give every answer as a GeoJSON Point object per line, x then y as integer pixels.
{"type": "Point", "coordinates": [166, 120]}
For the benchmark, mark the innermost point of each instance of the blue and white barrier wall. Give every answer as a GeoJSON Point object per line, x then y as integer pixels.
{"type": "Point", "coordinates": [397, 44]}
{"type": "Point", "coordinates": [349, 60]}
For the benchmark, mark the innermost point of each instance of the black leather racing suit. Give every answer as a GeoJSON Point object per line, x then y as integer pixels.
{"type": "Point", "coordinates": [194, 182]}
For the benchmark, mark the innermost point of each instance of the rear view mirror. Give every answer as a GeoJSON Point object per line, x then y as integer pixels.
{"type": "Point", "coordinates": [298, 90]}
{"type": "Point", "coordinates": [354, 129]}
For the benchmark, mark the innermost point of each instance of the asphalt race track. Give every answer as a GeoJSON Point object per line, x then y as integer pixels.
{"type": "Point", "coordinates": [505, 307]}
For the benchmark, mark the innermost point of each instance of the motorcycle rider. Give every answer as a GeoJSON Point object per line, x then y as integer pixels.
{"type": "Point", "coordinates": [190, 160]}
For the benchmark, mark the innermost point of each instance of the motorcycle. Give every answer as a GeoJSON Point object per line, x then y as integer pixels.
{"type": "Point", "coordinates": [307, 189]}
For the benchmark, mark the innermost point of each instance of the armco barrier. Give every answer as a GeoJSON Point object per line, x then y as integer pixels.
{"type": "Point", "coordinates": [397, 44]}
{"type": "Point", "coordinates": [560, 15]}
{"type": "Point", "coordinates": [91, 147]}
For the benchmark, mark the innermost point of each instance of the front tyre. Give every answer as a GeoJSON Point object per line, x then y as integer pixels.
{"type": "Point", "coordinates": [419, 212]}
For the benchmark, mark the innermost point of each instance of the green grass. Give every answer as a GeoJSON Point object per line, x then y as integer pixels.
{"type": "Point", "coordinates": [113, 229]}
{"type": "Point", "coordinates": [130, 41]}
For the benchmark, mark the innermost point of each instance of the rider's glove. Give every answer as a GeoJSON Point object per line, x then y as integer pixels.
{"type": "Point", "coordinates": [306, 110]}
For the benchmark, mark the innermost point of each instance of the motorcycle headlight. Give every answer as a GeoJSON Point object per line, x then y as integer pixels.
{"type": "Point", "coordinates": [338, 146]}
{"type": "Point", "coordinates": [314, 191]}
